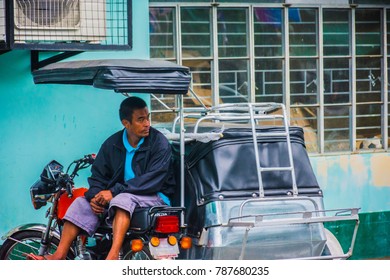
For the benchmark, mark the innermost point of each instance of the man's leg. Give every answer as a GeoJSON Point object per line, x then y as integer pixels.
{"type": "Point", "coordinates": [120, 225]}
{"type": "Point", "coordinates": [79, 217]}
{"type": "Point", "coordinates": [69, 234]}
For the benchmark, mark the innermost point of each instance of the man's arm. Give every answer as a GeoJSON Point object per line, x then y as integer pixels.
{"type": "Point", "coordinates": [100, 177]}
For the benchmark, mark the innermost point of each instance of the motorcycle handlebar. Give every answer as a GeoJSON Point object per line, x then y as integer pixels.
{"type": "Point", "coordinates": [66, 180]}
{"type": "Point", "coordinates": [89, 159]}
{"type": "Point", "coordinates": [82, 163]}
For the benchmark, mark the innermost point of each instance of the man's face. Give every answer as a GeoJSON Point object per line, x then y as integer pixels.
{"type": "Point", "coordinates": [140, 123]}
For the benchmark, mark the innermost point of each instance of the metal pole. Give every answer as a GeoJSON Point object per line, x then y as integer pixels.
{"type": "Point", "coordinates": [182, 149]}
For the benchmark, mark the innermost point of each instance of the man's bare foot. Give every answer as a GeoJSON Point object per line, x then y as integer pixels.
{"type": "Point", "coordinates": [32, 256]}
{"type": "Point", "coordinates": [112, 257]}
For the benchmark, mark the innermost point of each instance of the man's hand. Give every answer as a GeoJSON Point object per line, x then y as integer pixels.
{"type": "Point", "coordinates": [100, 200]}
{"type": "Point", "coordinates": [97, 208]}
{"type": "Point", "coordinates": [103, 197]}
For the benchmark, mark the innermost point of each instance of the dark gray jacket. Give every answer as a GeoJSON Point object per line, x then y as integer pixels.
{"type": "Point", "coordinates": [152, 166]}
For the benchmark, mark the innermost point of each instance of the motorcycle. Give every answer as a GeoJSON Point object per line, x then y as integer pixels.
{"type": "Point", "coordinates": [155, 232]}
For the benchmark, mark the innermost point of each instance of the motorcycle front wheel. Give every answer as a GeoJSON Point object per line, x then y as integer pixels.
{"type": "Point", "coordinates": [24, 242]}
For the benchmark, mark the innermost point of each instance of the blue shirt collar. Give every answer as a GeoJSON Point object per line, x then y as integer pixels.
{"type": "Point", "coordinates": [127, 145]}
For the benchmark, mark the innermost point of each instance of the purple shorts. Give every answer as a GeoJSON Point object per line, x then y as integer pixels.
{"type": "Point", "coordinates": [80, 212]}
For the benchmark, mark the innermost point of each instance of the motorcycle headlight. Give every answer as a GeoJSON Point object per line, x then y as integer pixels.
{"type": "Point", "coordinates": [40, 193]}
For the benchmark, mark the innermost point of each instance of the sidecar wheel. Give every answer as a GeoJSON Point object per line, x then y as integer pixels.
{"type": "Point", "coordinates": [144, 254]}
{"type": "Point", "coordinates": [332, 246]}
{"type": "Point", "coordinates": [24, 242]}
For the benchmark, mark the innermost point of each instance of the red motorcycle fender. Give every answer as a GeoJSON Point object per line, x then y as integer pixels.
{"type": "Point", "coordinates": [33, 226]}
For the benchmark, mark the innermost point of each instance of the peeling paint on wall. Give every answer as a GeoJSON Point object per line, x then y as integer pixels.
{"type": "Point", "coordinates": [380, 166]}
{"type": "Point", "coordinates": [344, 163]}
{"type": "Point", "coordinates": [358, 171]}
{"type": "Point", "coordinates": [358, 180]}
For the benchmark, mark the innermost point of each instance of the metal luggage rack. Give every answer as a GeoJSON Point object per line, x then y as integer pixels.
{"type": "Point", "coordinates": [252, 112]}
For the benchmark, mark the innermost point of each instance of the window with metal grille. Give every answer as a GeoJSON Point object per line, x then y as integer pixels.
{"type": "Point", "coordinates": [327, 64]}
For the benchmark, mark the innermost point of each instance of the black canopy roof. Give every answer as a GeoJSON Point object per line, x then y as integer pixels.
{"type": "Point", "coordinates": [121, 75]}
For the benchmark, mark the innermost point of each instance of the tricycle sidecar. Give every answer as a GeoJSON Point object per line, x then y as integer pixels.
{"type": "Point", "coordinates": [251, 193]}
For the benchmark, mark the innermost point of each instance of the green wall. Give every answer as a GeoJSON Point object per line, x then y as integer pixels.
{"type": "Point", "coordinates": [372, 238]}
{"type": "Point", "coordinates": [39, 123]}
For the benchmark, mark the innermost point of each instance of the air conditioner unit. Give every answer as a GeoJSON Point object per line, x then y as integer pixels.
{"type": "Point", "coordinates": [2, 20]}
{"type": "Point", "coordinates": [59, 20]}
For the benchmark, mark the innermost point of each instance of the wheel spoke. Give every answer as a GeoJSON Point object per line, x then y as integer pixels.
{"type": "Point", "coordinates": [27, 243]}
{"type": "Point", "coordinates": [24, 242]}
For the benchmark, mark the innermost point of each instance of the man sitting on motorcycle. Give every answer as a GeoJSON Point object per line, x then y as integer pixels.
{"type": "Point", "coordinates": [132, 169]}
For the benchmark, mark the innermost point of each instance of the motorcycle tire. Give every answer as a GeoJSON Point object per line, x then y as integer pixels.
{"type": "Point", "coordinates": [144, 254]}
{"type": "Point", "coordinates": [24, 242]}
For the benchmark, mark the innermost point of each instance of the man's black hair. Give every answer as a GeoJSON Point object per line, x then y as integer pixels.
{"type": "Point", "coordinates": [128, 106]}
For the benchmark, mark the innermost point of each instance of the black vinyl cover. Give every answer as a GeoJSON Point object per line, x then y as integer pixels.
{"type": "Point", "coordinates": [121, 75]}
{"type": "Point", "coordinates": [227, 167]}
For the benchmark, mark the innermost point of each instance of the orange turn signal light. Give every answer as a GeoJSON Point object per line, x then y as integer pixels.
{"type": "Point", "coordinates": [137, 245]}
{"type": "Point", "coordinates": [186, 242]}
{"type": "Point", "coordinates": [172, 240]}
{"type": "Point", "coordinates": [154, 241]}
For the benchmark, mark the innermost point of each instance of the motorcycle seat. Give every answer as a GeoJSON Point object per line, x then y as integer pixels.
{"type": "Point", "coordinates": [140, 219]}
